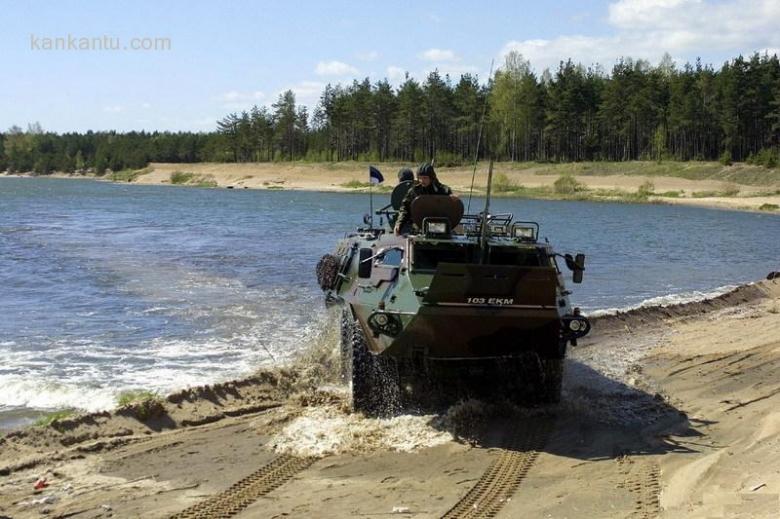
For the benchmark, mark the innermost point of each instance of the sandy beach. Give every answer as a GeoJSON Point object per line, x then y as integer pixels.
{"type": "Point", "coordinates": [667, 412]}
{"type": "Point", "coordinates": [353, 176]}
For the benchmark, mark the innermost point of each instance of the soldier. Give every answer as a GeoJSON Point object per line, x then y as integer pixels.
{"type": "Point", "coordinates": [405, 174]}
{"type": "Point", "coordinates": [427, 184]}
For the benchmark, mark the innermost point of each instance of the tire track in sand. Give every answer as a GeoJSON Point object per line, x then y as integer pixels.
{"type": "Point", "coordinates": [642, 479]}
{"type": "Point", "coordinates": [244, 492]}
{"type": "Point", "coordinates": [505, 474]}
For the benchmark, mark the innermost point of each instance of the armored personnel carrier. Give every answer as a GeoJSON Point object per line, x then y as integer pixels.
{"type": "Point", "coordinates": [469, 305]}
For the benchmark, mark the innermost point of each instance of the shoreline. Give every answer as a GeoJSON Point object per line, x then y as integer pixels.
{"type": "Point", "coordinates": [677, 304]}
{"type": "Point", "coordinates": [534, 182]}
{"type": "Point", "coordinates": [609, 319]}
{"type": "Point", "coordinates": [643, 388]}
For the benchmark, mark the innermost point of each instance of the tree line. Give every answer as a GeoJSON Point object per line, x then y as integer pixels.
{"type": "Point", "coordinates": [634, 112]}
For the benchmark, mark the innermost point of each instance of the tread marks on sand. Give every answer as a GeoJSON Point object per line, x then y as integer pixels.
{"type": "Point", "coordinates": [642, 480]}
{"type": "Point", "coordinates": [504, 475]}
{"type": "Point", "coordinates": [243, 493]}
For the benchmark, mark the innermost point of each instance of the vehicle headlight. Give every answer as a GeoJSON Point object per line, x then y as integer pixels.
{"type": "Point", "coordinates": [524, 233]}
{"type": "Point", "coordinates": [436, 227]}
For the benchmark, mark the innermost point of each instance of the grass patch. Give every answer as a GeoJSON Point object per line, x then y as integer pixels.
{"type": "Point", "coordinates": [671, 194]}
{"type": "Point", "coordinates": [568, 185]}
{"type": "Point", "coordinates": [134, 396]}
{"type": "Point", "coordinates": [205, 181]}
{"type": "Point", "coordinates": [49, 418]}
{"type": "Point", "coordinates": [126, 175]}
{"type": "Point", "coordinates": [739, 173]}
{"type": "Point", "coordinates": [645, 191]}
{"type": "Point", "coordinates": [142, 403]}
{"type": "Point", "coordinates": [356, 184]}
{"type": "Point", "coordinates": [502, 184]}
{"type": "Point", "coordinates": [191, 179]}
{"type": "Point", "coordinates": [769, 207]}
{"type": "Point", "coordinates": [730, 191]}
{"type": "Point", "coordinates": [181, 177]}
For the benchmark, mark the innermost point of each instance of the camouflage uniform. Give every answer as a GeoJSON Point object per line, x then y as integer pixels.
{"type": "Point", "coordinates": [404, 222]}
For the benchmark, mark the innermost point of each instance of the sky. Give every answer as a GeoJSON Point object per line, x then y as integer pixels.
{"type": "Point", "coordinates": [205, 59]}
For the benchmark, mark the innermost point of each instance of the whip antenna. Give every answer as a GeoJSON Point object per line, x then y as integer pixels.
{"type": "Point", "coordinates": [479, 137]}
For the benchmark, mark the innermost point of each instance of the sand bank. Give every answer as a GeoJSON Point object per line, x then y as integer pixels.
{"type": "Point", "coordinates": [353, 176]}
{"type": "Point", "coordinates": [667, 412]}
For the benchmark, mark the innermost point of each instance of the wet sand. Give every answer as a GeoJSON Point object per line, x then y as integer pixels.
{"type": "Point", "coordinates": [667, 412]}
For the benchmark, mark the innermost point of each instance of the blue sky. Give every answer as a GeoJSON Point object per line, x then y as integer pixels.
{"type": "Point", "coordinates": [227, 56]}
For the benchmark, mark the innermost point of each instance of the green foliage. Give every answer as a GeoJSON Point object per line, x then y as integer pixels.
{"type": "Point", "coordinates": [356, 184]}
{"type": "Point", "coordinates": [49, 418]}
{"type": "Point", "coordinates": [647, 189]}
{"type": "Point", "coordinates": [729, 191]}
{"type": "Point", "coordinates": [142, 403]}
{"type": "Point", "coordinates": [574, 114]}
{"type": "Point", "coordinates": [182, 177]}
{"type": "Point", "coordinates": [568, 185]}
{"type": "Point", "coordinates": [670, 194]}
{"type": "Point", "coordinates": [502, 184]}
{"type": "Point", "coordinates": [126, 175]}
{"type": "Point", "coordinates": [725, 158]}
{"type": "Point", "coordinates": [205, 181]}
{"type": "Point", "coordinates": [769, 207]}
{"type": "Point", "coordinates": [767, 157]}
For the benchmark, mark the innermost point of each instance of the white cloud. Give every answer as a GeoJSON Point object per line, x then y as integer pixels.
{"type": "Point", "coordinates": [240, 100]}
{"type": "Point", "coordinates": [306, 92]}
{"type": "Point", "coordinates": [335, 68]}
{"type": "Point", "coordinates": [395, 74]}
{"type": "Point", "coordinates": [371, 55]}
{"type": "Point", "coordinates": [113, 109]}
{"type": "Point", "coordinates": [146, 106]}
{"type": "Point", "coordinates": [438, 55]}
{"type": "Point", "coordinates": [234, 96]}
{"type": "Point", "coordinates": [647, 29]}
{"type": "Point", "coordinates": [629, 14]}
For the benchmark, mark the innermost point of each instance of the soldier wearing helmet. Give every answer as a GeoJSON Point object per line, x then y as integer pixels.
{"type": "Point", "coordinates": [427, 184]}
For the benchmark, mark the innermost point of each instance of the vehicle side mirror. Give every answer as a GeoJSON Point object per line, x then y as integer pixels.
{"type": "Point", "coordinates": [579, 268]}
{"type": "Point", "coordinates": [570, 264]}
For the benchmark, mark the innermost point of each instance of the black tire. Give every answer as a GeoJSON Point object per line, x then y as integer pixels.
{"type": "Point", "coordinates": [375, 388]}
{"type": "Point", "coordinates": [552, 381]}
{"type": "Point", "coordinates": [347, 322]}
{"type": "Point", "coordinates": [364, 267]}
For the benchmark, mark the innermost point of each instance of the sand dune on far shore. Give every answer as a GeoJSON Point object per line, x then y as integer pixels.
{"type": "Point", "coordinates": [335, 177]}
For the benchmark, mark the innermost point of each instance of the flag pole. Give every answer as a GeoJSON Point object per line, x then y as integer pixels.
{"type": "Point", "coordinates": [371, 201]}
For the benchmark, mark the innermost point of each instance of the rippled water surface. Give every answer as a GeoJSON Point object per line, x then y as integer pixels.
{"type": "Point", "coordinates": [105, 287]}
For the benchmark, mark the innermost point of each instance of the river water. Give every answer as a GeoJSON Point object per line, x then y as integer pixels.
{"type": "Point", "coordinates": [107, 287]}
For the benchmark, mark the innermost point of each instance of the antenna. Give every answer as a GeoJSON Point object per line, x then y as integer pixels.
{"type": "Point", "coordinates": [484, 220]}
{"type": "Point", "coordinates": [479, 137]}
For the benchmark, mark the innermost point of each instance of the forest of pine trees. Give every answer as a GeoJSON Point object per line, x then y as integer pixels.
{"type": "Point", "coordinates": [635, 112]}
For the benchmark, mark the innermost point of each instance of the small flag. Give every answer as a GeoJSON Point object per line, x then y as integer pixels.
{"type": "Point", "coordinates": [374, 176]}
